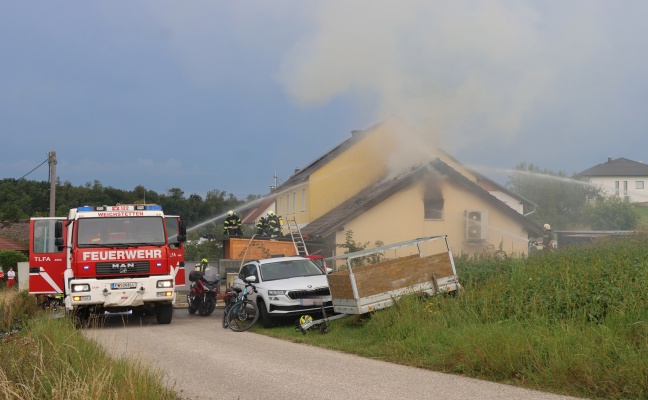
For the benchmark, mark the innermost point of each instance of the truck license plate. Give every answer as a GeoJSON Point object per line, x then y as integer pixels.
{"type": "Point", "coordinates": [123, 285]}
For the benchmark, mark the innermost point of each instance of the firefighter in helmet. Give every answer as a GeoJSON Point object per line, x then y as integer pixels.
{"type": "Point", "coordinates": [274, 227]}
{"type": "Point", "coordinates": [262, 227]}
{"type": "Point", "coordinates": [202, 265]}
{"type": "Point", "coordinates": [547, 238]}
{"type": "Point", "coordinates": [232, 224]}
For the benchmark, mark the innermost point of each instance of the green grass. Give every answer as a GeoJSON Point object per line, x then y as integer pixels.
{"type": "Point", "coordinates": [643, 218]}
{"type": "Point", "coordinates": [573, 322]}
{"type": "Point", "coordinates": [50, 359]}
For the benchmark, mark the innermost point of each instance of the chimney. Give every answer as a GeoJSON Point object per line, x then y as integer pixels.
{"type": "Point", "coordinates": [297, 170]}
{"type": "Point", "coordinates": [355, 132]}
{"type": "Point", "coordinates": [609, 158]}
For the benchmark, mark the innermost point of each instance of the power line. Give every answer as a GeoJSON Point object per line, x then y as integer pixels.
{"type": "Point", "coordinates": [34, 168]}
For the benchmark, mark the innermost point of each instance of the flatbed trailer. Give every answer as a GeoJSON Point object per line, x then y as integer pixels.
{"type": "Point", "coordinates": [366, 288]}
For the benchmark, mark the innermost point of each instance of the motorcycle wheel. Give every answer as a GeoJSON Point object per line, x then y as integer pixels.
{"type": "Point", "coordinates": [192, 309]}
{"type": "Point", "coordinates": [207, 307]}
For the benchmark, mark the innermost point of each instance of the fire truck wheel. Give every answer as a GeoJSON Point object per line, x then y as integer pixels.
{"type": "Point", "coordinates": [81, 317]}
{"type": "Point", "coordinates": [164, 313]}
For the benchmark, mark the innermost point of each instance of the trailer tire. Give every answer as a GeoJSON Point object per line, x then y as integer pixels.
{"type": "Point", "coordinates": [266, 319]}
{"type": "Point", "coordinates": [164, 313]}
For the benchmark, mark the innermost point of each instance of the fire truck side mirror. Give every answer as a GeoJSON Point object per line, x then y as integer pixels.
{"type": "Point", "coordinates": [58, 230]}
{"type": "Point", "coordinates": [182, 230]}
{"type": "Point", "coordinates": [58, 235]}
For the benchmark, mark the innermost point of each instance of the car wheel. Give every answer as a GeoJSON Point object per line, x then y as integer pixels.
{"type": "Point", "coordinates": [266, 320]}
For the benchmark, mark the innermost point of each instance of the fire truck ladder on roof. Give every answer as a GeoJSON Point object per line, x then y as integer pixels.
{"type": "Point", "coordinates": [296, 236]}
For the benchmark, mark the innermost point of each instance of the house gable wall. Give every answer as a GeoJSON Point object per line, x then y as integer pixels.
{"type": "Point", "coordinates": [400, 218]}
{"type": "Point", "coordinates": [351, 171]}
{"type": "Point", "coordinates": [608, 184]}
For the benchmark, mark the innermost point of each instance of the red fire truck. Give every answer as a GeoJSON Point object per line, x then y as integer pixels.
{"type": "Point", "coordinates": [109, 258]}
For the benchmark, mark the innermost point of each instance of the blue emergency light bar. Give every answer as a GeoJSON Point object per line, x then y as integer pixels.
{"type": "Point", "coordinates": [149, 208]}
{"type": "Point", "coordinates": [131, 207]}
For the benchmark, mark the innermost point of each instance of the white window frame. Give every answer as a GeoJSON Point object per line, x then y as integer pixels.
{"type": "Point", "coordinates": [287, 203]}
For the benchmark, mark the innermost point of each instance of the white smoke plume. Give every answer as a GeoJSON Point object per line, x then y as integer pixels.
{"type": "Point", "coordinates": [467, 72]}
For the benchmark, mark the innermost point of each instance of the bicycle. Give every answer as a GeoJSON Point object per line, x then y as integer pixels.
{"type": "Point", "coordinates": [241, 314]}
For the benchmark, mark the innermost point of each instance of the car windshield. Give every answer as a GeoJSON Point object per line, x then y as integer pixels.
{"type": "Point", "coordinates": [288, 269]}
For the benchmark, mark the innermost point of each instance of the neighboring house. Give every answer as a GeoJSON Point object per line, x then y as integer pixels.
{"type": "Point", "coordinates": [254, 211]}
{"type": "Point", "coordinates": [14, 236]}
{"type": "Point", "coordinates": [621, 177]}
{"type": "Point", "coordinates": [383, 185]}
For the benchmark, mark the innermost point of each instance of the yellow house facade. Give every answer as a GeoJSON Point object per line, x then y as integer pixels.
{"type": "Point", "coordinates": [362, 186]}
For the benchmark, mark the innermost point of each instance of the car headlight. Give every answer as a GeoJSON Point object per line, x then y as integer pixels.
{"type": "Point", "coordinates": [165, 284]}
{"type": "Point", "coordinates": [276, 292]}
{"type": "Point", "coordinates": [81, 287]}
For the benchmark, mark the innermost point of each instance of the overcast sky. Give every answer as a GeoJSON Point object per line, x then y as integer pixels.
{"type": "Point", "coordinates": [203, 95]}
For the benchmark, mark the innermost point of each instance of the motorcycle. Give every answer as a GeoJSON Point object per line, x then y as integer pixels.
{"type": "Point", "coordinates": [203, 292]}
{"type": "Point", "coordinates": [52, 302]}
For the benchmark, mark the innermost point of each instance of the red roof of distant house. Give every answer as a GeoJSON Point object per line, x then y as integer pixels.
{"type": "Point", "coordinates": [250, 215]}
{"type": "Point", "coordinates": [8, 244]}
{"type": "Point", "coordinates": [12, 234]}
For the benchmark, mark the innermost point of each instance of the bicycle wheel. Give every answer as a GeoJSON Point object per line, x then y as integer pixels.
{"type": "Point", "coordinates": [242, 316]}
{"type": "Point", "coordinates": [226, 313]}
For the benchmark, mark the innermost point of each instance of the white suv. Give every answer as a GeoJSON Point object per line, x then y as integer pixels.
{"type": "Point", "coordinates": [286, 287]}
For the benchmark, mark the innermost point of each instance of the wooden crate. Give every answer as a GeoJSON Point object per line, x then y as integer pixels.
{"type": "Point", "coordinates": [234, 248]}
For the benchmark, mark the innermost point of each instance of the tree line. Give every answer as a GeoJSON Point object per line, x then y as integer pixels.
{"type": "Point", "coordinates": [570, 203]}
{"type": "Point", "coordinates": [21, 199]}
{"type": "Point", "coordinates": [567, 203]}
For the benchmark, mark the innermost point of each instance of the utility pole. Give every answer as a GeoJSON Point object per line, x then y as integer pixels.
{"type": "Point", "coordinates": [52, 178]}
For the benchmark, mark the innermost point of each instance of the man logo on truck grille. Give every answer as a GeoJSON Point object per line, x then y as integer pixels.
{"type": "Point", "coordinates": [123, 268]}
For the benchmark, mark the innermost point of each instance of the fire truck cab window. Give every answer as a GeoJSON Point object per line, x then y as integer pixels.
{"type": "Point", "coordinates": [172, 232]}
{"type": "Point", "coordinates": [44, 237]}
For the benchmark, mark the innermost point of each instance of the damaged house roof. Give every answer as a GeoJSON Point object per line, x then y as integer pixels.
{"type": "Point", "coordinates": [375, 194]}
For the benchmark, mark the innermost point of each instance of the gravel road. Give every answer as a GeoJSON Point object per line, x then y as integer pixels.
{"type": "Point", "coordinates": [201, 360]}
